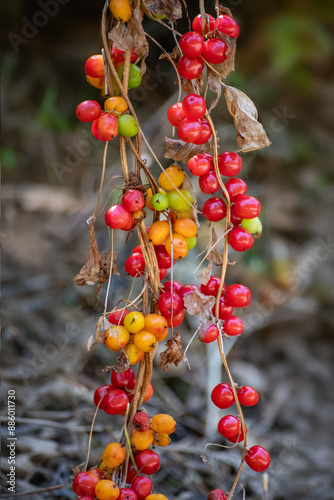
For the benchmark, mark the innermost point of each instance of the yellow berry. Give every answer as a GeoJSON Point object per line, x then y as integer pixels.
{"type": "Point", "coordinates": [116, 337]}
{"type": "Point", "coordinates": [133, 353]}
{"type": "Point", "coordinates": [171, 178]}
{"type": "Point", "coordinates": [145, 341]}
{"type": "Point", "coordinates": [134, 321]}
{"type": "Point", "coordinates": [163, 424]}
{"type": "Point", "coordinates": [162, 440]}
{"type": "Point", "coordinates": [142, 440]}
{"type": "Point", "coordinates": [156, 496]}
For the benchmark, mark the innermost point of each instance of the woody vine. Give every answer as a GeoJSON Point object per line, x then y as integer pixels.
{"type": "Point", "coordinates": [164, 214]}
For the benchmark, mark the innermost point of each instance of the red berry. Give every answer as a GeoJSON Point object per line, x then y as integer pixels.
{"type": "Point", "coordinates": [214, 209]}
{"type": "Point", "coordinates": [227, 24]}
{"type": "Point", "coordinates": [210, 335]}
{"type": "Point", "coordinates": [124, 380]}
{"type": "Point", "coordinates": [208, 183]}
{"type": "Point", "coordinates": [163, 257]}
{"type": "Point", "coordinates": [162, 274]}
{"type": "Point", "coordinates": [133, 200]}
{"type": "Point", "coordinates": [190, 68]}
{"type": "Point", "coordinates": [116, 317]}
{"type": "Point", "coordinates": [94, 66]}
{"type": "Point", "coordinates": [189, 129]}
{"type": "Point", "coordinates": [247, 207]}
{"type": "Point", "coordinates": [240, 239]}
{"type": "Point", "coordinates": [175, 114]}
{"type": "Point", "coordinates": [187, 289]}
{"type": "Point", "coordinates": [239, 437]}
{"type": "Point", "coordinates": [142, 486]}
{"type": "Point", "coordinates": [209, 23]}
{"type": "Point", "coordinates": [217, 495]}
{"type": "Point", "coordinates": [205, 134]}
{"type": "Point", "coordinates": [167, 286]}
{"type": "Point", "coordinates": [238, 295]}
{"type": "Point", "coordinates": [117, 216]}
{"type": "Point", "coordinates": [88, 111]}
{"type": "Point", "coordinates": [214, 51]}
{"type": "Point", "coordinates": [129, 225]}
{"type": "Point", "coordinates": [194, 106]}
{"type": "Point", "coordinates": [84, 484]}
{"type": "Point", "coordinates": [118, 55]}
{"type": "Point", "coordinates": [247, 395]}
{"type": "Point", "coordinates": [135, 265]}
{"type": "Point", "coordinates": [212, 286]}
{"type": "Point", "coordinates": [229, 163]}
{"type": "Point", "coordinates": [225, 309]}
{"type": "Point", "coordinates": [222, 396]}
{"type": "Point", "coordinates": [257, 458]}
{"type": "Point", "coordinates": [101, 393]}
{"type": "Point", "coordinates": [126, 494]}
{"type": "Point", "coordinates": [170, 302]}
{"type": "Point", "coordinates": [228, 426]}
{"type": "Point", "coordinates": [95, 131]}
{"type": "Point", "coordinates": [137, 249]}
{"type": "Point", "coordinates": [176, 321]}
{"type": "Point", "coordinates": [236, 221]}
{"type": "Point", "coordinates": [233, 326]}
{"type": "Point", "coordinates": [200, 164]}
{"type": "Point", "coordinates": [116, 402]}
{"type": "Point", "coordinates": [131, 473]}
{"type": "Point", "coordinates": [235, 187]}
{"type": "Point", "coordinates": [192, 44]}
{"type": "Point", "coordinates": [148, 462]}
{"type": "Point", "coordinates": [107, 126]}
{"type": "Point", "coordinates": [141, 421]}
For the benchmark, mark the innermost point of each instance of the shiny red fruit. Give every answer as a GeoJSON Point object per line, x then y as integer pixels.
{"type": "Point", "coordinates": [210, 23]}
{"type": "Point", "coordinates": [133, 200]}
{"type": "Point", "coordinates": [257, 458]}
{"type": "Point", "coordinates": [190, 68]}
{"type": "Point", "coordinates": [240, 239]}
{"type": "Point", "coordinates": [238, 295]}
{"type": "Point", "coordinates": [95, 131]}
{"type": "Point", "coordinates": [205, 134]}
{"type": "Point", "coordinates": [210, 335]}
{"type": "Point", "coordinates": [222, 396]}
{"type": "Point", "coordinates": [126, 494]}
{"type": "Point", "coordinates": [247, 396]}
{"type": "Point", "coordinates": [214, 51]}
{"type": "Point", "coordinates": [142, 486]}
{"type": "Point", "coordinates": [214, 209]}
{"type": "Point", "coordinates": [84, 484]}
{"type": "Point", "coordinates": [200, 164]}
{"type": "Point", "coordinates": [236, 221]}
{"type": "Point", "coordinates": [124, 380]}
{"type": "Point", "coordinates": [235, 187]}
{"type": "Point", "coordinates": [175, 114]}
{"type": "Point", "coordinates": [225, 309]}
{"type": "Point", "coordinates": [137, 249]}
{"type": "Point", "coordinates": [227, 24]}
{"type": "Point", "coordinates": [239, 437]}
{"type": "Point", "coordinates": [101, 393]}
{"type": "Point", "coordinates": [148, 462]}
{"type": "Point", "coordinates": [247, 207]}
{"type": "Point", "coordinates": [217, 495]}
{"type": "Point", "coordinates": [135, 265]}
{"type": "Point", "coordinates": [169, 303]}
{"type": "Point", "coordinates": [116, 402]}
{"type": "Point", "coordinates": [212, 286]}
{"type": "Point", "coordinates": [229, 164]}
{"type": "Point", "coordinates": [130, 225]}
{"type": "Point", "coordinates": [189, 129]}
{"type": "Point", "coordinates": [208, 183]}
{"type": "Point", "coordinates": [116, 317]}
{"type": "Point", "coordinates": [187, 289]}
{"type": "Point", "coordinates": [167, 286]}
{"type": "Point", "coordinates": [163, 257]}
{"type": "Point", "coordinates": [194, 106]}
{"type": "Point", "coordinates": [192, 44]}
{"type": "Point", "coordinates": [141, 421]}
{"type": "Point", "coordinates": [176, 321]}
{"type": "Point", "coordinates": [94, 66]}
{"type": "Point", "coordinates": [228, 426]}
{"type": "Point", "coordinates": [117, 216]}
{"type": "Point", "coordinates": [107, 126]}
{"type": "Point", "coordinates": [88, 111]}
{"type": "Point", "coordinates": [131, 473]}
{"type": "Point", "coordinates": [233, 326]}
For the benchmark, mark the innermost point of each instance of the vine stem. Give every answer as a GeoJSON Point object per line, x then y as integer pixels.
{"type": "Point", "coordinates": [102, 177]}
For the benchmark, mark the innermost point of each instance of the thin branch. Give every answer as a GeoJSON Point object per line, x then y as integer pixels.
{"type": "Point", "coordinates": [20, 494]}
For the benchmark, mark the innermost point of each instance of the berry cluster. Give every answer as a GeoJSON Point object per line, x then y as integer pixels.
{"type": "Point", "coordinates": [126, 466]}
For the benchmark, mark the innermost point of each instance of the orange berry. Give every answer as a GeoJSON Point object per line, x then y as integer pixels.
{"type": "Point", "coordinates": [116, 337]}
{"type": "Point", "coordinates": [171, 178]}
{"type": "Point", "coordinates": [142, 440]}
{"type": "Point", "coordinates": [121, 10]}
{"type": "Point", "coordinates": [138, 214]}
{"type": "Point", "coordinates": [106, 490]}
{"type": "Point", "coordinates": [156, 324]}
{"type": "Point", "coordinates": [145, 341]}
{"type": "Point", "coordinates": [149, 393]}
{"type": "Point", "coordinates": [134, 354]}
{"type": "Point", "coordinates": [162, 337]}
{"type": "Point", "coordinates": [96, 82]}
{"type": "Point", "coordinates": [162, 440]}
{"type": "Point", "coordinates": [180, 246]}
{"type": "Point", "coordinates": [156, 496]}
{"type": "Point", "coordinates": [159, 232]}
{"type": "Point", "coordinates": [163, 424]}
{"type": "Point", "coordinates": [116, 104]}
{"type": "Point", "coordinates": [113, 455]}
{"type": "Point", "coordinates": [185, 227]}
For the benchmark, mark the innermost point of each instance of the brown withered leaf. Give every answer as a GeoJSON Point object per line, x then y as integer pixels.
{"type": "Point", "coordinates": [121, 366]}
{"type": "Point", "coordinates": [89, 273]}
{"type": "Point", "coordinates": [224, 11]}
{"type": "Point", "coordinates": [183, 151]}
{"type": "Point", "coordinates": [131, 35]}
{"type": "Point", "coordinates": [170, 8]}
{"type": "Point", "coordinates": [204, 324]}
{"type": "Point", "coordinates": [105, 265]}
{"type": "Point", "coordinates": [205, 275]}
{"type": "Point", "coordinates": [250, 133]}
{"type": "Point", "coordinates": [101, 326]}
{"type": "Point", "coordinates": [198, 303]}
{"type": "Point", "coordinates": [173, 354]}
{"type": "Point", "coordinates": [216, 257]}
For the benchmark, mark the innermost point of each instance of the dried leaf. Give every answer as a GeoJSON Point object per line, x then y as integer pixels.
{"type": "Point", "coordinates": [205, 275]}
{"type": "Point", "coordinates": [250, 133]}
{"type": "Point", "coordinates": [183, 151]}
{"type": "Point", "coordinates": [101, 326]}
{"type": "Point", "coordinates": [131, 35]}
{"type": "Point", "coordinates": [224, 11]}
{"type": "Point", "coordinates": [90, 343]}
{"type": "Point", "coordinates": [198, 303]}
{"type": "Point", "coordinates": [173, 353]}
{"type": "Point", "coordinates": [105, 265]}
{"type": "Point", "coordinates": [122, 365]}
{"type": "Point", "coordinates": [170, 8]}
{"type": "Point", "coordinates": [89, 273]}
{"type": "Point", "coordinates": [215, 256]}
{"type": "Point", "coordinates": [205, 460]}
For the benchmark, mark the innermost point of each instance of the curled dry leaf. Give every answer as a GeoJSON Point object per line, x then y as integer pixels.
{"type": "Point", "coordinates": [224, 11]}
{"type": "Point", "coordinates": [101, 326]}
{"type": "Point", "coordinates": [204, 324]}
{"type": "Point", "coordinates": [173, 354]}
{"type": "Point", "coordinates": [105, 265]}
{"type": "Point", "coordinates": [170, 8]}
{"type": "Point", "coordinates": [215, 256]}
{"type": "Point", "coordinates": [205, 275]}
{"type": "Point", "coordinates": [250, 133]}
{"type": "Point", "coordinates": [183, 151]}
{"type": "Point", "coordinates": [122, 364]}
{"type": "Point", "coordinates": [198, 303]}
{"type": "Point", "coordinates": [89, 273]}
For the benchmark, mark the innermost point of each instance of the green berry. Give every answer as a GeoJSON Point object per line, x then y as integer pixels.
{"type": "Point", "coordinates": [159, 202]}
{"type": "Point", "coordinates": [127, 126]}
{"type": "Point", "coordinates": [178, 200]}
{"type": "Point", "coordinates": [135, 78]}
{"type": "Point", "coordinates": [191, 242]}
{"type": "Point", "coordinates": [253, 226]}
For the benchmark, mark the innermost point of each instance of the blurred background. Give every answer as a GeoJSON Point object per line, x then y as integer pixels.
{"type": "Point", "coordinates": [51, 170]}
